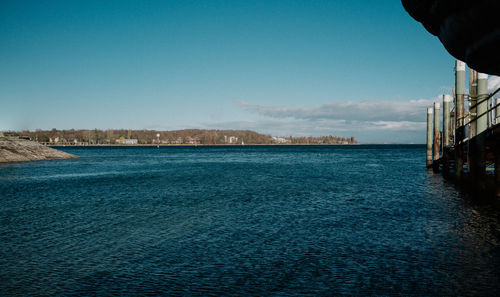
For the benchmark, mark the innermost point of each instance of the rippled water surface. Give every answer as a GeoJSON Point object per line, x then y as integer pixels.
{"type": "Point", "coordinates": [311, 220]}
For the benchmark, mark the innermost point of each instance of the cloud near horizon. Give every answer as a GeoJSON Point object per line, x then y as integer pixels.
{"type": "Point", "coordinates": [493, 83]}
{"type": "Point", "coordinates": [369, 121]}
{"type": "Point", "coordinates": [363, 111]}
{"type": "Point", "coordinates": [372, 115]}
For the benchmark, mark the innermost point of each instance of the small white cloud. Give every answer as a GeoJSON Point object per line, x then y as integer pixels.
{"type": "Point", "coordinates": [411, 111]}
{"type": "Point", "coordinates": [493, 83]}
{"type": "Point", "coordinates": [391, 121]}
{"type": "Point", "coordinates": [378, 131]}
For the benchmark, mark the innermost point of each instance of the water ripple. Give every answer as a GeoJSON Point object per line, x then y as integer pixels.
{"type": "Point", "coordinates": [211, 221]}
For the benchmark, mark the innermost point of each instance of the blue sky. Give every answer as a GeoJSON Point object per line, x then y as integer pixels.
{"type": "Point", "coordinates": [362, 68]}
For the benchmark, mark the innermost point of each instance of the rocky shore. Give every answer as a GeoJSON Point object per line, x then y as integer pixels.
{"type": "Point", "coordinates": [13, 149]}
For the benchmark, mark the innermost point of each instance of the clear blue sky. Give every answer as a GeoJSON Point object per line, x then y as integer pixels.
{"type": "Point", "coordinates": [279, 67]}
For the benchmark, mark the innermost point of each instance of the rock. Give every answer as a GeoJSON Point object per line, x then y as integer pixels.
{"type": "Point", "coordinates": [13, 149]}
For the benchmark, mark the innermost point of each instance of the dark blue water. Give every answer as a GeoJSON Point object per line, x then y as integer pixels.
{"type": "Point", "coordinates": [274, 221]}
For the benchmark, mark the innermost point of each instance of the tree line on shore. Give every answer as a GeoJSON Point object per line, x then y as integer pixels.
{"type": "Point", "coordinates": [187, 136]}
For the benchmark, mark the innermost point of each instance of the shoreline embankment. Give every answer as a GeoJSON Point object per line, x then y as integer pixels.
{"type": "Point", "coordinates": [14, 149]}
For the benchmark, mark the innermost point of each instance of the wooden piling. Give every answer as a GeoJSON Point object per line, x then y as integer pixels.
{"type": "Point", "coordinates": [446, 134]}
{"type": "Point", "coordinates": [429, 137]}
{"type": "Point", "coordinates": [497, 110]}
{"type": "Point", "coordinates": [446, 120]}
{"type": "Point", "coordinates": [482, 105]}
{"type": "Point", "coordinates": [437, 132]}
{"type": "Point", "coordinates": [481, 126]}
{"type": "Point", "coordinates": [473, 101]}
{"type": "Point", "coordinates": [459, 117]}
{"type": "Point", "coordinates": [497, 172]}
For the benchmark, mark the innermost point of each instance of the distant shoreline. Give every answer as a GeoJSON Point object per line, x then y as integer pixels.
{"type": "Point", "coordinates": [172, 137]}
{"type": "Point", "coordinates": [223, 145]}
{"type": "Point", "coordinates": [173, 145]}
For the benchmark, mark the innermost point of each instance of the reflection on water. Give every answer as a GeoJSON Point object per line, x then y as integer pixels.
{"type": "Point", "coordinates": [325, 220]}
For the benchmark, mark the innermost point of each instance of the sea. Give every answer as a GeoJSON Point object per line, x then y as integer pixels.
{"type": "Point", "coordinates": [362, 220]}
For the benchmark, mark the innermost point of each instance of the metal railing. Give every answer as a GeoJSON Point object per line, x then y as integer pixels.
{"type": "Point", "coordinates": [493, 118]}
{"type": "Point", "coordinates": [492, 113]}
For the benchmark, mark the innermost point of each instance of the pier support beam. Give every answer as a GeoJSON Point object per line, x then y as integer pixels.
{"type": "Point", "coordinates": [497, 172]}
{"type": "Point", "coordinates": [459, 117]}
{"type": "Point", "coordinates": [472, 101]}
{"type": "Point", "coordinates": [437, 131]}
{"type": "Point", "coordinates": [437, 136]}
{"type": "Point", "coordinates": [446, 134]}
{"type": "Point", "coordinates": [429, 137]}
{"type": "Point", "coordinates": [482, 107]}
{"type": "Point", "coordinates": [446, 120]}
{"type": "Point", "coordinates": [479, 165]}
{"type": "Point", "coordinates": [497, 111]}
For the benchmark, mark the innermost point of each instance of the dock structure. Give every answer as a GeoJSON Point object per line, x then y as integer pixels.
{"type": "Point", "coordinates": [467, 149]}
{"type": "Point", "coordinates": [429, 136]}
{"type": "Point", "coordinates": [437, 132]}
{"type": "Point", "coordinates": [446, 120]}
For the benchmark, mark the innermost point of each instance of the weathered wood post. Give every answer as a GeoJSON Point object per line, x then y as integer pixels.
{"type": "Point", "coordinates": [482, 124]}
{"type": "Point", "coordinates": [429, 137]}
{"type": "Point", "coordinates": [496, 151]}
{"type": "Point", "coordinates": [437, 132]}
{"type": "Point", "coordinates": [473, 101]}
{"type": "Point", "coordinates": [459, 117]}
{"type": "Point", "coordinates": [482, 103]}
{"type": "Point", "coordinates": [497, 171]}
{"type": "Point", "coordinates": [446, 120]}
{"type": "Point", "coordinates": [446, 134]}
{"type": "Point", "coordinates": [453, 117]}
{"type": "Point", "coordinates": [479, 124]}
{"type": "Point", "coordinates": [497, 111]}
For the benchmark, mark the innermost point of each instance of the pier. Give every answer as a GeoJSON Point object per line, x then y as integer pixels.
{"type": "Point", "coordinates": [467, 147]}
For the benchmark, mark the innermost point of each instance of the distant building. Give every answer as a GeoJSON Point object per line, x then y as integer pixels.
{"type": "Point", "coordinates": [123, 140]}
{"type": "Point", "coordinates": [191, 140]}
{"type": "Point", "coordinates": [130, 141]}
{"type": "Point", "coordinates": [280, 140]}
{"type": "Point", "coordinates": [54, 140]}
{"type": "Point", "coordinates": [230, 139]}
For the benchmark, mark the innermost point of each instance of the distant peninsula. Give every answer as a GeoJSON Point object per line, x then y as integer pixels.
{"type": "Point", "coordinates": [173, 137]}
{"type": "Point", "coordinates": [15, 149]}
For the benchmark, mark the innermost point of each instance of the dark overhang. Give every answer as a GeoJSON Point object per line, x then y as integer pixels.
{"type": "Point", "coordinates": [468, 29]}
